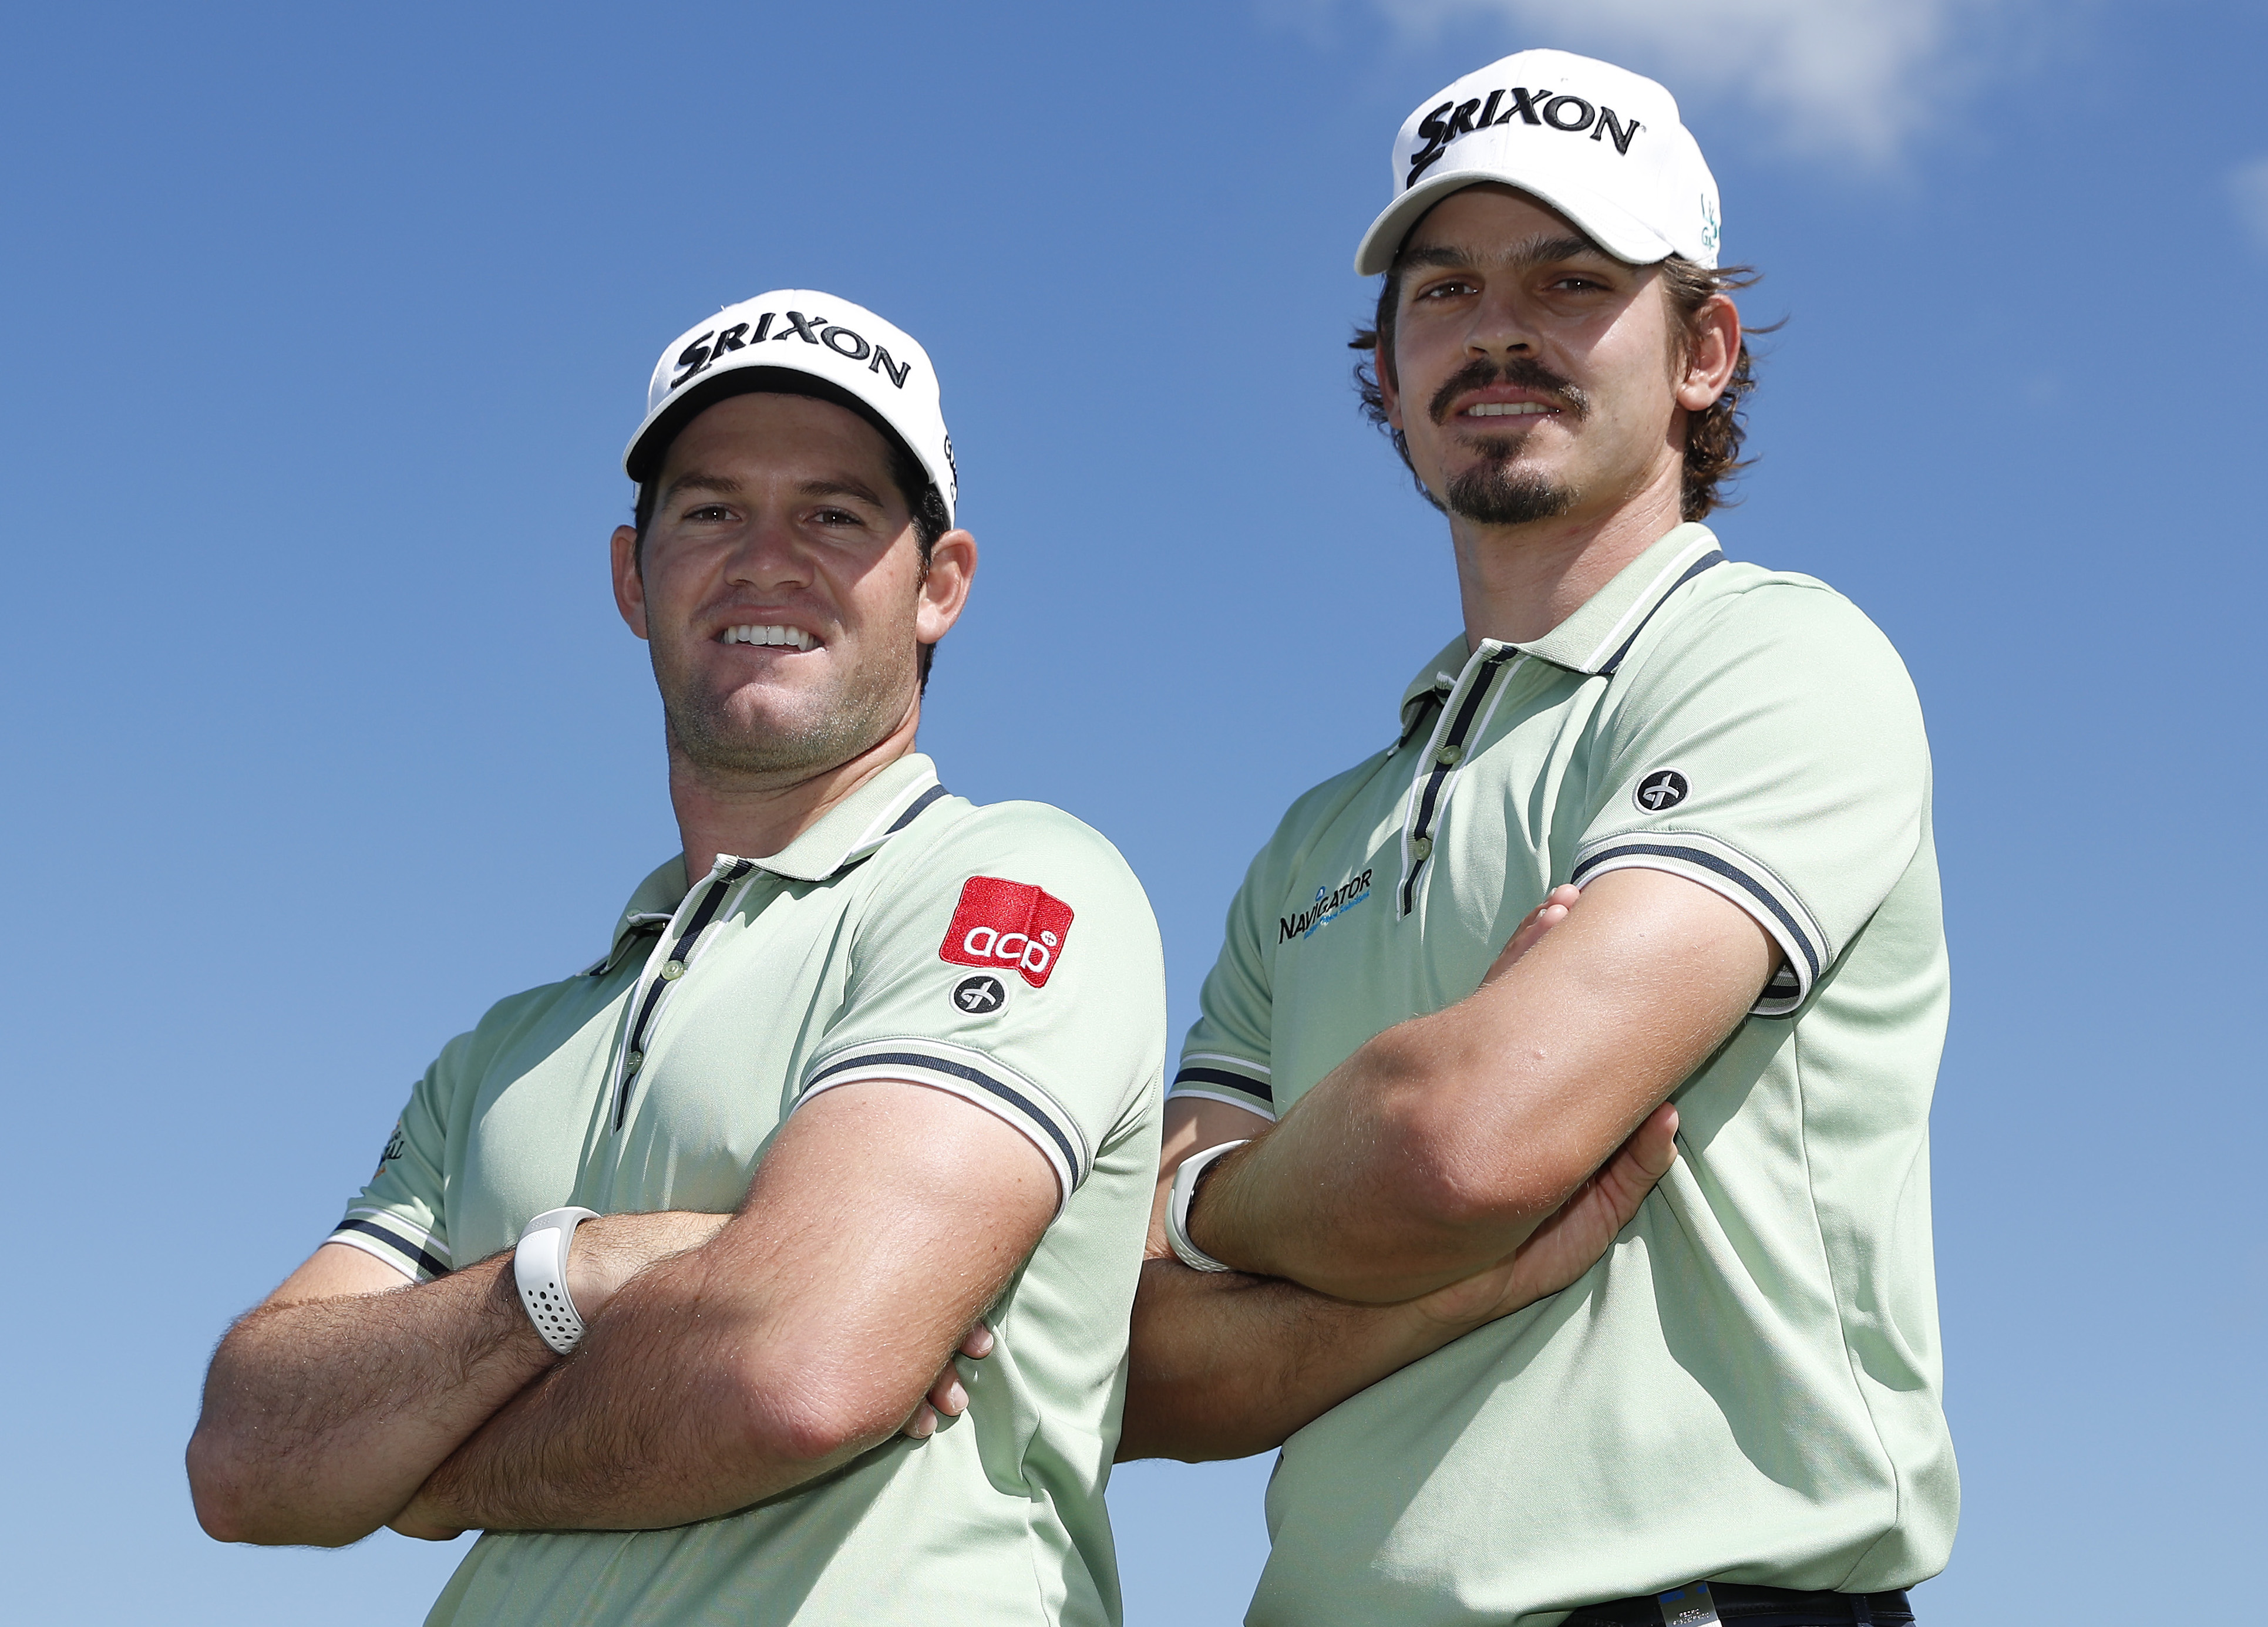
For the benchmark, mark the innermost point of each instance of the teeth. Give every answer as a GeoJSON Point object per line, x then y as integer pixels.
{"type": "Point", "coordinates": [1505, 409]}
{"type": "Point", "coordinates": [788, 637]}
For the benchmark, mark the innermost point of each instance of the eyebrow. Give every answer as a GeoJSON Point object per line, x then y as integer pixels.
{"type": "Point", "coordinates": [841, 486]}
{"type": "Point", "coordinates": [1536, 251]}
{"type": "Point", "coordinates": [693, 480]}
{"type": "Point", "coordinates": [726, 486]}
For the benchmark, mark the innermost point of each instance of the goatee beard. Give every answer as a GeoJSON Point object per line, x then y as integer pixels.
{"type": "Point", "coordinates": [1491, 493]}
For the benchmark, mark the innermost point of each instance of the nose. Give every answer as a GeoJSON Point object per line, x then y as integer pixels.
{"type": "Point", "coordinates": [768, 554]}
{"type": "Point", "coordinates": [1501, 325]}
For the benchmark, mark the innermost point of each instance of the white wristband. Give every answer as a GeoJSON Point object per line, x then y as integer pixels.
{"type": "Point", "coordinates": [539, 1265]}
{"type": "Point", "coordinates": [1177, 1208]}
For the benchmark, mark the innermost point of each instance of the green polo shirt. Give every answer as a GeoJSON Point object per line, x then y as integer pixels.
{"type": "Point", "coordinates": [1747, 1386]}
{"type": "Point", "coordinates": [1004, 953]}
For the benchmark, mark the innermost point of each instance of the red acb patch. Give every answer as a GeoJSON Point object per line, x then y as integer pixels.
{"type": "Point", "coordinates": [1007, 923]}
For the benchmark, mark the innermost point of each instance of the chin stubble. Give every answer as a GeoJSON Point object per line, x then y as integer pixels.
{"type": "Point", "coordinates": [702, 726]}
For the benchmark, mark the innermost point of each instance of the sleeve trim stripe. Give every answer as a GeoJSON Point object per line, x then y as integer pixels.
{"type": "Point", "coordinates": [1623, 855]}
{"type": "Point", "coordinates": [1233, 1062]}
{"type": "Point", "coordinates": [936, 1078]}
{"type": "Point", "coordinates": [1804, 959]}
{"type": "Point", "coordinates": [1222, 1076]}
{"type": "Point", "coordinates": [1782, 995]}
{"type": "Point", "coordinates": [425, 1262]}
{"type": "Point", "coordinates": [1178, 1093]}
{"type": "Point", "coordinates": [429, 1241]}
{"type": "Point", "coordinates": [877, 1065]}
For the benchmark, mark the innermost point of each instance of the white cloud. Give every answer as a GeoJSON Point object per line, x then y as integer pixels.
{"type": "Point", "coordinates": [1852, 79]}
{"type": "Point", "coordinates": [2248, 189]}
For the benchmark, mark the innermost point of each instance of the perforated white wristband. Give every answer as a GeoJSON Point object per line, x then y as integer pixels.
{"type": "Point", "coordinates": [539, 1265]}
{"type": "Point", "coordinates": [1177, 1208]}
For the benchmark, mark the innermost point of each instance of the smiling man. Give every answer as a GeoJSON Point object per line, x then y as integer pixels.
{"type": "Point", "coordinates": [663, 1258]}
{"type": "Point", "coordinates": [1707, 788]}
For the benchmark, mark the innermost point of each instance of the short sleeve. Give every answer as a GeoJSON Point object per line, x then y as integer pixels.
{"type": "Point", "coordinates": [1227, 1056]}
{"type": "Point", "coordinates": [1769, 746]}
{"type": "Point", "coordinates": [1013, 963]}
{"type": "Point", "coordinates": [399, 1217]}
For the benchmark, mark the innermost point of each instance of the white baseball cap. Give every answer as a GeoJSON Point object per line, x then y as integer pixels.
{"type": "Point", "coordinates": [1600, 144]}
{"type": "Point", "coordinates": [803, 342]}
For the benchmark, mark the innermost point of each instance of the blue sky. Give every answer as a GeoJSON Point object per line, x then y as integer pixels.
{"type": "Point", "coordinates": [325, 327]}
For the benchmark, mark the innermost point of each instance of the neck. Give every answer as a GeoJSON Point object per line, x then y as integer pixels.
{"type": "Point", "coordinates": [754, 817]}
{"type": "Point", "coordinates": [1516, 583]}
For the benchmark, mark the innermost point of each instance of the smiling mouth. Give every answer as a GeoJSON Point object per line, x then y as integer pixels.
{"type": "Point", "coordinates": [778, 637]}
{"type": "Point", "coordinates": [1507, 409]}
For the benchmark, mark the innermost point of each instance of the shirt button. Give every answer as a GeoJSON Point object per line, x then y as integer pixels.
{"type": "Point", "coordinates": [1449, 755]}
{"type": "Point", "coordinates": [1422, 848]}
{"type": "Point", "coordinates": [673, 970]}
{"type": "Point", "coordinates": [630, 1062]}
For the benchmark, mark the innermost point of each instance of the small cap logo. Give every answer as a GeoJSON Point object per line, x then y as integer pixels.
{"type": "Point", "coordinates": [980, 995]}
{"type": "Point", "coordinates": [1661, 791]}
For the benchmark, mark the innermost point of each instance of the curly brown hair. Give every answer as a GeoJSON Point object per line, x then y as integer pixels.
{"type": "Point", "coordinates": [1712, 436]}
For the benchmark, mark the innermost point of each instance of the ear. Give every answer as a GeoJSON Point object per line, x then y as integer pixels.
{"type": "Point", "coordinates": [943, 592]}
{"type": "Point", "coordinates": [630, 586]}
{"type": "Point", "coordinates": [1389, 394]}
{"type": "Point", "coordinates": [1712, 351]}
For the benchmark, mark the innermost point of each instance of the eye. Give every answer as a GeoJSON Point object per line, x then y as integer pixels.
{"type": "Point", "coordinates": [1449, 287]}
{"type": "Point", "coordinates": [1579, 282]}
{"type": "Point", "coordinates": [836, 516]}
{"type": "Point", "coordinates": [709, 510]}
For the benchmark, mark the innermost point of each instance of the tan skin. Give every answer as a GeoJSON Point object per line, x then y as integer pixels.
{"type": "Point", "coordinates": [729, 1357]}
{"type": "Point", "coordinates": [1447, 1145]}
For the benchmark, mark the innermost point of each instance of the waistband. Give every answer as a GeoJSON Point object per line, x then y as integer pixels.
{"type": "Point", "coordinates": [1759, 1607]}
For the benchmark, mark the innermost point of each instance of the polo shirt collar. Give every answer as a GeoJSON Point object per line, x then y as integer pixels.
{"type": "Point", "coordinates": [850, 831]}
{"type": "Point", "coordinates": [1595, 638]}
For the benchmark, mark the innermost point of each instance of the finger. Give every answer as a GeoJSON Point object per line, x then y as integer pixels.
{"type": "Point", "coordinates": [978, 1344]}
{"type": "Point", "coordinates": [1640, 1162]}
{"type": "Point", "coordinates": [947, 1396]}
{"type": "Point", "coordinates": [1654, 1142]}
{"type": "Point", "coordinates": [923, 1425]}
{"type": "Point", "coordinates": [1530, 932]}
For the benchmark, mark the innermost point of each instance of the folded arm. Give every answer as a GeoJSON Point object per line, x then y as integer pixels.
{"type": "Point", "coordinates": [1226, 1364]}
{"type": "Point", "coordinates": [882, 1222]}
{"type": "Point", "coordinates": [1438, 1148]}
{"type": "Point", "coordinates": [326, 1407]}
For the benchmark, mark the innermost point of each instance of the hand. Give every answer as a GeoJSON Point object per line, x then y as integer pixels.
{"type": "Point", "coordinates": [1569, 1243]}
{"type": "Point", "coordinates": [948, 1399]}
{"type": "Point", "coordinates": [419, 1519]}
{"type": "Point", "coordinates": [1531, 929]}
{"type": "Point", "coordinates": [607, 1252]}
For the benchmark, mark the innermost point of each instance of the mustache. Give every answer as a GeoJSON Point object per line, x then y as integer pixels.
{"type": "Point", "coordinates": [1520, 372]}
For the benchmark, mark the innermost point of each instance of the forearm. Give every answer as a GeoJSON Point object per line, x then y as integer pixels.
{"type": "Point", "coordinates": [1223, 1365]}
{"type": "Point", "coordinates": [321, 1418]}
{"type": "Point", "coordinates": [654, 1421]}
{"type": "Point", "coordinates": [1447, 1140]}
{"type": "Point", "coordinates": [1342, 1198]}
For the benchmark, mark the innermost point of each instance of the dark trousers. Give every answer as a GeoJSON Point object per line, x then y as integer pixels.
{"type": "Point", "coordinates": [1760, 1607]}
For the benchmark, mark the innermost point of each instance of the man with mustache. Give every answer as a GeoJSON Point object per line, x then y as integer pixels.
{"type": "Point", "coordinates": [663, 1259]}
{"type": "Point", "coordinates": [1705, 787]}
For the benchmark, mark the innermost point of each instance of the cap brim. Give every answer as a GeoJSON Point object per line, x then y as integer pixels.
{"type": "Point", "coordinates": [642, 459]}
{"type": "Point", "coordinates": [1612, 227]}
